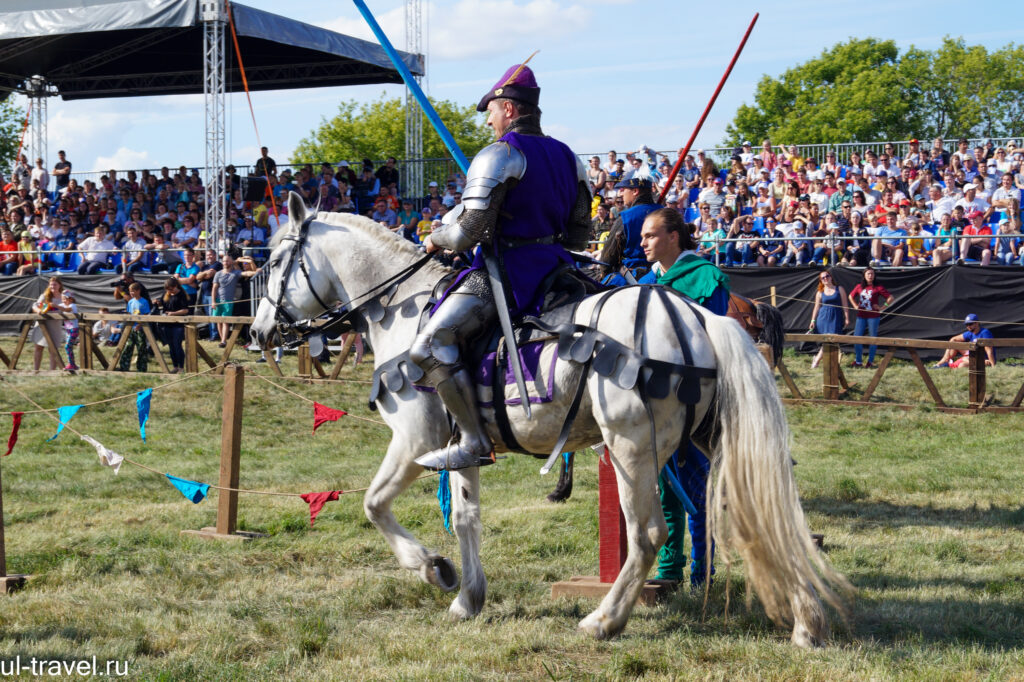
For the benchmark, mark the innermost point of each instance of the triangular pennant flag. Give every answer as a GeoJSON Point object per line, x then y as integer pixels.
{"type": "Point", "coordinates": [192, 490]}
{"type": "Point", "coordinates": [108, 458]}
{"type": "Point", "coordinates": [142, 399]}
{"type": "Point", "coordinates": [316, 502]}
{"type": "Point", "coordinates": [15, 425]}
{"type": "Point", "coordinates": [323, 414]}
{"type": "Point", "coordinates": [444, 499]}
{"type": "Point", "coordinates": [64, 413]}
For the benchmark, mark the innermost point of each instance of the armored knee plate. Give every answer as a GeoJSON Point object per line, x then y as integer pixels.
{"type": "Point", "coordinates": [463, 315]}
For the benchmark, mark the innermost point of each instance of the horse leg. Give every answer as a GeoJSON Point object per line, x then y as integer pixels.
{"type": "Point", "coordinates": [465, 485]}
{"type": "Point", "coordinates": [563, 489]}
{"type": "Point", "coordinates": [646, 533]}
{"type": "Point", "coordinates": [396, 472]}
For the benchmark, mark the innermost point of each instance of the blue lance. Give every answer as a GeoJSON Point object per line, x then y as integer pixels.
{"type": "Point", "coordinates": [414, 87]}
{"type": "Point", "coordinates": [490, 259]}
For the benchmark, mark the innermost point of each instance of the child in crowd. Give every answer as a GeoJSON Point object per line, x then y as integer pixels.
{"type": "Point", "coordinates": [916, 253]}
{"type": "Point", "coordinates": [424, 227]}
{"type": "Point", "coordinates": [137, 305]}
{"type": "Point", "coordinates": [70, 328]}
{"type": "Point", "coordinates": [106, 332]}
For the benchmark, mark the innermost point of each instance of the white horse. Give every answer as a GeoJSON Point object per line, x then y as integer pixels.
{"type": "Point", "coordinates": [337, 257]}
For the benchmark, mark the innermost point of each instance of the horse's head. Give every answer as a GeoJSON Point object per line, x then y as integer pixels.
{"type": "Point", "coordinates": [295, 289]}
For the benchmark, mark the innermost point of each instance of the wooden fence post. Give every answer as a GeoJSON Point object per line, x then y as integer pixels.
{"type": "Point", "coordinates": [976, 369]}
{"type": "Point", "coordinates": [230, 455]}
{"type": "Point", "coordinates": [9, 582]}
{"type": "Point", "coordinates": [305, 362]}
{"type": "Point", "coordinates": [191, 348]}
{"type": "Point", "coordinates": [830, 371]}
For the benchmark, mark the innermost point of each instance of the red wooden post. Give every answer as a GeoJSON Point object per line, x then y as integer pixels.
{"type": "Point", "coordinates": [611, 523]}
{"type": "Point", "coordinates": [612, 548]}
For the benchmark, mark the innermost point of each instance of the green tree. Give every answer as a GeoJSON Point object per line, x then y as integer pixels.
{"type": "Point", "coordinates": [12, 118]}
{"type": "Point", "coordinates": [865, 90]}
{"type": "Point", "coordinates": [377, 130]}
{"type": "Point", "coordinates": [850, 92]}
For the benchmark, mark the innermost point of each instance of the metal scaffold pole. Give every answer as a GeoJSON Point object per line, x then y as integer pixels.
{"type": "Point", "coordinates": [412, 169]}
{"type": "Point", "coordinates": [38, 90]}
{"type": "Point", "coordinates": [214, 16]}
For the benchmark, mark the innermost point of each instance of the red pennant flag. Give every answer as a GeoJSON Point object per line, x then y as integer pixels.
{"type": "Point", "coordinates": [323, 414]}
{"type": "Point", "coordinates": [316, 502]}
{"type": "Point", "coordinates": [15, 425]}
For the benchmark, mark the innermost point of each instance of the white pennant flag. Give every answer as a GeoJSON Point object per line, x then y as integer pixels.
{"type": "Point", "coordinates": [108, 458]}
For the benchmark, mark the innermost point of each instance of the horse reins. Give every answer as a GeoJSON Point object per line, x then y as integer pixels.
{"type": "Point", "coordinates": [339, 312]}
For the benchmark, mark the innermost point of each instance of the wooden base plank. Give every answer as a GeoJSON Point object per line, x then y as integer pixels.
{"type": "Point", "coordinates": [591, 586]}
{"type": "Point", "coordinates": [13, 583]}
{"type": "Point", "coordinates": [210, 533]}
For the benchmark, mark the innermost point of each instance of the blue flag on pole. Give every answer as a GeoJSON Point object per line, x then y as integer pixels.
{"type": "Point", "coordinates": [444, 499]}
{"type": "Point", "coordinates": [142, 399]}
{"type": "Point", "coordinates": [64, 413]}
{"type": "Point", "coordinates": [196, 492]}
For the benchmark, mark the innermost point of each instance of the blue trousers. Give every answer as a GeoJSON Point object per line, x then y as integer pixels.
{"type": "Point", "coordinates": [692, 473]}
{"type": "Point", "coordinates": [871, 325]}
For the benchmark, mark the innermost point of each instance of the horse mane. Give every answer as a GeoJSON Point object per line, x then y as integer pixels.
{"type": "Point", "coordinates": [390, 241]}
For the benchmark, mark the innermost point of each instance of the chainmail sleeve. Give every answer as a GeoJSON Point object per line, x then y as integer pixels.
{"type": "Point", "coordinates": [580, 229]}
{"type": "Point", "coordinates": [472, 226]}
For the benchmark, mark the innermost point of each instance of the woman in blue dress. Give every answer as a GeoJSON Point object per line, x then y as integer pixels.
{"type": "Point", "coordinates": [831, 314]}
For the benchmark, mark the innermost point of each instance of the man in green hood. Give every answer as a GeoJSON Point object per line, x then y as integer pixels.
{"type": "Point", "coordinates": [668, 243]}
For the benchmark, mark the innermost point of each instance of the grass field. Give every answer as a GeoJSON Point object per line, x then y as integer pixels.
{"type": "Point", "coordinates": [921, 510]}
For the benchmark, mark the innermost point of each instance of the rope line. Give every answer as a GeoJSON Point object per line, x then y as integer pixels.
{"type": "Point", "coordinates": [892, 314]}
{"type": "Point", "coordinates": [308, 400]}
{"type": "Point", "coordinates": [41, 410]}
{"type": "Point", "coordinates": [132, 395]}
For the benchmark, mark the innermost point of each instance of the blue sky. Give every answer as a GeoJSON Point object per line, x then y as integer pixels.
{"type": "Point", "coordinates": [614, 74]}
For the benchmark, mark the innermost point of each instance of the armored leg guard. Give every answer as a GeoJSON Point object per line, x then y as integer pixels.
{"type": "Point", "coordinates": [463, 315]}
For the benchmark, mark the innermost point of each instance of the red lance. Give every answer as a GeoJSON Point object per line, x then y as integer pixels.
{"type": "Point", "coordinates": [707, 110]}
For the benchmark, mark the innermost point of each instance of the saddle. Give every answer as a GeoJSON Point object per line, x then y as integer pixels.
{"type": "Point", "coordinates": [556, 329]}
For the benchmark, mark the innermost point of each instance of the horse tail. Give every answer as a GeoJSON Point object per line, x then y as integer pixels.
{"type": "Point", "coordinates": [765, 522]}
{"type": "Point", "coordinates": [773, 331]}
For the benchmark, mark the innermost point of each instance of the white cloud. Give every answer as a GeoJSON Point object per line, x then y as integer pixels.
{"type": "Point", "coordinates": [478, 28]}
{"type": "Point", "coordinates": [124, 158]}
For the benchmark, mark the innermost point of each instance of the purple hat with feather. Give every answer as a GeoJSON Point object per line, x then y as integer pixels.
{"type": "Point", "coordinates": [517, 83]}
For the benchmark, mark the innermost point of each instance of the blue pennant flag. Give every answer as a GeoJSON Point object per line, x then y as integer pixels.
{"type": "Point", "coordinates": [196, 492]}
{"type": "Point", "coordinates": [142, 399]}
{"type": "Point", "coordinates": [65, 413]}
{"type": "Point", "coordinates": [444, 499]}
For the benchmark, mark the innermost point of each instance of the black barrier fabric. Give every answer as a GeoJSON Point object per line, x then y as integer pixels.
{"type": "Point", "coordinates": [931, 303]}
{"type": "Point", "coordinates": [17, 294]}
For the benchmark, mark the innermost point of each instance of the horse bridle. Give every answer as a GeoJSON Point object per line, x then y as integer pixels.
{"type": "Point", "coordinates": [293, 331]}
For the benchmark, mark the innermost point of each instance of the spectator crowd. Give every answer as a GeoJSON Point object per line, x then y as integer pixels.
{"type": "Point", "coordinates": [143, 221]}
{"type": "Point", "coordinates": [775, 206]}
{"type": "Point", "coordinates": [772, 206]}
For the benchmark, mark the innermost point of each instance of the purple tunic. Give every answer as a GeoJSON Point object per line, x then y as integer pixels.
{"type": "Point", "coordinates": [540, 205]}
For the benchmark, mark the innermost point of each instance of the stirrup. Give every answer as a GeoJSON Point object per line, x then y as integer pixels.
{"type": "Point", "coordinates": [453, 457]}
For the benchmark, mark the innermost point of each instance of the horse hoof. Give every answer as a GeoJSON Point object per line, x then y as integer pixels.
{"type": "Point", "coordinates": [597, 626]}
{"type": "Point", "coordinates": [441, 573]}
{"type": "Point", "coordinates": [803, 638]}
{"type": "Point", "coordinates": [557, 496]}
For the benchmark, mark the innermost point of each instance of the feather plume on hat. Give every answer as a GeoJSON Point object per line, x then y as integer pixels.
{"type": "Point", "coordinates": [637, 178]}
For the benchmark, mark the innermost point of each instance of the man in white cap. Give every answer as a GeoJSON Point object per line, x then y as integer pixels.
{"type": "Point", "coordinates": [971, 201]}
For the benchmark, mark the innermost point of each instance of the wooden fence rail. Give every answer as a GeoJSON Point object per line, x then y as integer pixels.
{"type": "Point", "coordinates": [93, 356]}
{"type": "Point", "coordinates": [834, 385]}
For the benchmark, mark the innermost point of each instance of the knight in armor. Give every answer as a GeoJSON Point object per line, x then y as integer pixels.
{"type": "Point", "coordinates": [527, 198]}
{"type": "Point", "coordinates": [636, 192]}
